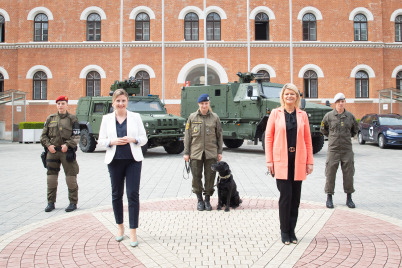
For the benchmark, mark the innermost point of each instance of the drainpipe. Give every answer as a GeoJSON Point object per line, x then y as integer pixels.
{"type": "Point", "coordinates": [163, 51]}
{"type": "Point", "coordinates": [291, 41]}
{"type": "Point", "coordinates": [205, 44]}
{"type": "Point", "coordinates": [248, 35]}
{"type": "Point", "coordinates": [121, 40]}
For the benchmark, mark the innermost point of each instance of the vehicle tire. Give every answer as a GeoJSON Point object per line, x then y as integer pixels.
{"type": "Point", "coordinates": [144, 148]}
{"type": "Point", "coordinates": [175, 147]}
{"type": "Point", "coordinates": [318, 143]}
{"type": "Point", "coordinates": [87, 141]}
{"type": "Point", "coordinates": [263, 141]}
{"type": "Point", "coordinates": [360, 138]}
{"type": "Point", "coordinates": [381, 141]}
{"type": "Point", "coordinates": [233, 143]}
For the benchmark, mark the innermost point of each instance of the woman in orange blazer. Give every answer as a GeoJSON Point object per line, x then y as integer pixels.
{"type": "Point", "coordinates": [289, 156]}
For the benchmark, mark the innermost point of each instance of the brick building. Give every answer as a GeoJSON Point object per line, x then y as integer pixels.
{"type": "Point", "coordinates": [78, 48]}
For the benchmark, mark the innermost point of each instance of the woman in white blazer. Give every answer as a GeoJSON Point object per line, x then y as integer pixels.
{"type": "Point", "coordinates": [122, 133]}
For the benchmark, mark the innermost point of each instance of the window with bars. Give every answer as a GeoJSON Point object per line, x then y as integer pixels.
{"type": "Point", "coordinates": [362, 84]}
{"type": "Point", "coordinates": [142, 25]}
{"type": "Point", "coordinates": [1, 82]}
{"type": "Point", "coordinates": [310, 84]}
{"type": "Point", "coordinates": [398, 28]}
{"type": "Point", "coordinates": [360, 27]}
{"type": "Point", "coordinates": [261, 26]}
{"type": "Point", "coordinates": [213, 26]}
{"type": "Point", "coordinates": [265, 75]}
{"type": "Point", "coordinates": [191, 27]}
{"type": "Point", "coordinates": [94, 27]}
{"type": "Point", "coordinates": [40, 86]}
{"type": "Point", "coordinates": [93, 84]}
{"type": "Point", "coordinates": [2, 29]}
{"type": "Point", "coordinates": [399, 80]}
{"type": "Point", "coordinates": [143, 77]}
{"type": "Point", "coordinates": [41, 26]}
{"type": "Point", "coordinates": [309, 27]}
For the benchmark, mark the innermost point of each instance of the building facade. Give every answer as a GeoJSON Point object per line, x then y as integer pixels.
{"type": "Point", "coordinates": [79, 48]}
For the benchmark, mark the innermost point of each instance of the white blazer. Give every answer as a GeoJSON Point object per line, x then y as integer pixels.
{"type": "Point", "coordinates": [135, 129]}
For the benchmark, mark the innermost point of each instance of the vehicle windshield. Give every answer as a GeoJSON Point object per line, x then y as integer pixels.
{"type": "Point", "coordinates": [391, 121]}
{"type": "Point", "coordinates": [144, 106]}
{"type": "Point", "coordinates": [271, 92]}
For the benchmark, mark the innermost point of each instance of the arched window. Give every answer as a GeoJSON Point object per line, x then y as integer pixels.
{"type": "Point", "coordinates": [93, 27]}
{"type": "Point", "coordinates": [362, 84]}
{"type": "Point", "coordinates": [41, 27]}
{"type": "Point", "coordinates": [2, 28]}
{"type": "Point", "coordinates": [310, 84]}
{"type": "Point", "coordinates": [93, 84]}
{"type": "Point", "coordinates": [40, 86]}
{"type": "Point", "coordinates": [143, 77]}
{"type": "Point", "coordinates": [261, 26]}
{"type": "Point", "coordinates": [360, 27]}
{"type": "Point", "coordinates": [398, 28]}
{"type": "Point", "coordinates": [142, 27]}
{"type": "Point", "coordinates": [265, 75]}
{"type": "Point", "coordinates": [399, 80]}
{"type": "Point", "coordinates": [1, 83]}
{"type": "Point", "coordinates": [213, 26]}
{"type": "Point", "coordinates": [191, 27]}
{"type": "Point", "coordinates": [197, 76]}
{"type": "Point", "coordinates": [309, 27]}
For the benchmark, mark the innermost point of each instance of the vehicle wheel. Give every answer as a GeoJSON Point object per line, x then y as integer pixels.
{"type": "Point", "coordinates": [381, 141]}
{"type": "Point", "coordinates": [263, 141]}
{"type": "Point", "coordinates": [144, 148]}
{"type": "Point", "coordinates": [360, 138]}
{"type": "Point", "coordinates": [318, 143]}
{"type": "Point", "coordinates": [175, 147]}
{"type": "Point", "coordinates": [87, 141]}
{"type": "Point", "coordinates": [233, 143]}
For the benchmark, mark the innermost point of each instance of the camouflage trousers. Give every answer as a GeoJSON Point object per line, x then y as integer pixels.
{"type": "Point", "coordinates": [71, 169]}
{"type": "Point", "coordinates": [197, 167]}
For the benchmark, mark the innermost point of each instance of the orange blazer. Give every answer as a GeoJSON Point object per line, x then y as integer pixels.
{"type": "Point", "coordinates": [276, 149]}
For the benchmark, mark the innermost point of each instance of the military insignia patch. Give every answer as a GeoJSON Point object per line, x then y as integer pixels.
{"type": "Point", "coordinates": [342, 124]}
{"type": "Point", "coordinates": [187, 126]}
{"type": "Point", "coordinates": [322, 123]}
{"type": "Point", "coordinates": [195, 129]}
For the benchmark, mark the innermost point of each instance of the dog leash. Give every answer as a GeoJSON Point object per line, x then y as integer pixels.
{"type": "Point", "coordinates": [186, 169]}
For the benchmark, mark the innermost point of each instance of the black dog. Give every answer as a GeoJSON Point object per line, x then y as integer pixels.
{"type": "Point", "coordinates": [227, 189]}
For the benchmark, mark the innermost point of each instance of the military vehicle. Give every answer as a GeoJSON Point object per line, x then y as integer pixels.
{"type": "Point", "coordinates": [162, 129]}
{"type": "Point", "coordinates": [244, 107]}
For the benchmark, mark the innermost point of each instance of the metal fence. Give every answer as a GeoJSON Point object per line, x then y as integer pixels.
{"type": "Point", "coordinates": [12, 112]}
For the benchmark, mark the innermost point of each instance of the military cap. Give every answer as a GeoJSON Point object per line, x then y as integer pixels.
{"type": "Point", "coordinates": [339, 96]}
{"type": "Point", "coordinates": [203, 97]}
{"type": "Point", "coordinates": [62, 98]}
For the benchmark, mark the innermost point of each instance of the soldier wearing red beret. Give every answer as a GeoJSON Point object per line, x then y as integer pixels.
{"type": "Point", "coordinates": [60, 137]}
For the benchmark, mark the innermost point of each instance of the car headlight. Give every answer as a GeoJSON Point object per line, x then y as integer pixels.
{"type": "Point", "coordinates": [391, 133]}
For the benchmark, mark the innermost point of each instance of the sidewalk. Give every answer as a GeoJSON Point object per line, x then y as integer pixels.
{"type": "Point", "coordinates": [173, 234]}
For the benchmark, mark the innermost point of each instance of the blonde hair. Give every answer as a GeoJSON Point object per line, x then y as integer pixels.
{"type": "Point", "coordinates": [295, 90]}
{"type": "Point", "coordinates": [118, 93]}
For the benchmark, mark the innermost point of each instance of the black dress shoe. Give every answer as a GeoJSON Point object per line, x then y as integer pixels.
{"type": "Point", "coordinates": [50, 207]}
{"type": "Point", "coordinates": [285, 238]}
{"type": "Point", "coordinates": [71, 207]}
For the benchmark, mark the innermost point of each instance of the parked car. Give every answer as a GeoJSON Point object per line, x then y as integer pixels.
{"type": "Point", "coordinates": [384, 129]}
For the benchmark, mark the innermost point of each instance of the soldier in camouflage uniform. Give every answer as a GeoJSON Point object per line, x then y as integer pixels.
{"type": "Point", "coordinates": [60, 136]}
{"type": "Point", "coordinates": [203, 144]}
{"type": "Point", "coordinates": [339, 126]}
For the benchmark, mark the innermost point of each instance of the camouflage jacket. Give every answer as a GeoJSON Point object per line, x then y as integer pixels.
{"type": "Point", "coordinates": [61, 129]}
{"type": "Point", "coordinates": [203, 134]}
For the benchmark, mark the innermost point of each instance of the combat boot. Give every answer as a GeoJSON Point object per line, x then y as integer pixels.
{"type": "Point", "coordinates": [208, 206]}
{"type": "Point", "coordinates": [50, 207]}
{"type": "Point", "coordinates": [349, 201]}
{"type": "Point", "coordinates": [329, 204]}
{"type": "Point", "coordinates": [71, 207]}
{"type": "Point", "coordinates": [201, 204]}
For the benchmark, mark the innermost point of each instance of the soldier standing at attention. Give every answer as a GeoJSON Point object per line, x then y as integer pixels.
{"type": "Point", "coordinates": [60, 136]}
{"type": "Point", "coordinates": [203, 142]}
{"type": "Point", "coordinates": [339, 126]}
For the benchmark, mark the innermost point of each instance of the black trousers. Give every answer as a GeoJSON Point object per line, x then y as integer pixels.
{"type": "Point", "coordinates": [289, 199]}
{"type": "Point", "coordinates": [130, 171]}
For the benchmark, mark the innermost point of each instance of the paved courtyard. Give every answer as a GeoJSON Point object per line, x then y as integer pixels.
{"type": "Point", "coordinates": [173, 234]}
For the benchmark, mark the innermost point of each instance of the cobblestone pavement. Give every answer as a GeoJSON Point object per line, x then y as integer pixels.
{"type": "Point", "coordinates": [173, 234]}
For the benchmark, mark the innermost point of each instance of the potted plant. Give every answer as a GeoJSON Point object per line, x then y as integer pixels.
{"type": "Point", "coordinates": [30, 131]}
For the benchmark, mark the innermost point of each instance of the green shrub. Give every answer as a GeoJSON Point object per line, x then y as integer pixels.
{"type": "Point", "coordinates": [31, 125]}
{"type": "Point", "coordinates": [358, 121]}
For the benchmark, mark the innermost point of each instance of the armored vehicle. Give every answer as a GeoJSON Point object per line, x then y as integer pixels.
{"type": "Point", "coordinates": [162, 129]}
{"type": "Point", "coordinates": [244, 107]}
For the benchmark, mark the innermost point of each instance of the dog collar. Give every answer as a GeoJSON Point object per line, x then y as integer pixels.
{"type": "Point", "coordinates": [225, 177]}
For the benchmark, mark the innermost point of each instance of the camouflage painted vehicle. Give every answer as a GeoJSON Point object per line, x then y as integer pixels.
{"type": "Point", "coordinates": [162, 129]}
{"type": "Point", "coordinates": [244, 108]}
